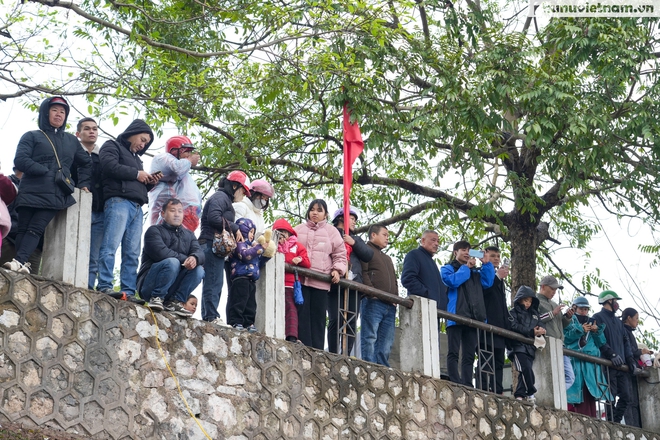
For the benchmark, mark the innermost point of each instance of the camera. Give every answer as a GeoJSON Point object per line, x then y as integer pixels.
{"type": "Point", "coordinates": [476, 253]}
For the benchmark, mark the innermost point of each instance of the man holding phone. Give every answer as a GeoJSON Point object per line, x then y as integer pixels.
{"type": "Point", "coordinates": [466, 298]}
{"type": "Point", "coordinates": [556, 318]}
{"type": "Point", "coordinates": [497, 313]}
{"type": "Point", "coordinates": [125, 187]}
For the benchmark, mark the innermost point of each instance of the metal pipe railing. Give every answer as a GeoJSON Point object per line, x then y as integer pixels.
{"type": "Point", "coordinates": [408, 302]}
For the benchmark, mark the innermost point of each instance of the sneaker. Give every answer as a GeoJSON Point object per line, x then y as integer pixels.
{"type": "Point", "coordinates": [16, 266]}
{"type": "Point", "coordinates": [239, 327]}
{"type": "Point", "coordinates": [252, 328]}
{"type": "Point", "coordinates": [114, 294]}
{"type": "Point", "coordinates": [156, 304]}
{"type": "Point", "coordinates": [134, 299]}
{"type": "Point", "coordinates": [218, 321]}
{"type": "Point", "coordinates": [176, 308]}
{"type": "Point", "coordinates": [530, 399]}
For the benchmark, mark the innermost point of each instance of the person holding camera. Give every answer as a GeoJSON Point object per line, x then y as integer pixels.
{"type": "Point", "coordinates": [586, 335]}
{"type": "Point", "coordinates": [466, 298]}
{"type": "Point", "coordinates": [555, 319]}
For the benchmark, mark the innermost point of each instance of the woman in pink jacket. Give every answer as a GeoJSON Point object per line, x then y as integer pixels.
{"type": "Point", "coordinates": [327, 253]}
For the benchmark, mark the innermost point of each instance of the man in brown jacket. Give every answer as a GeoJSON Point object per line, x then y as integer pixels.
{"type": "Point", "coordinates": [377, 334]}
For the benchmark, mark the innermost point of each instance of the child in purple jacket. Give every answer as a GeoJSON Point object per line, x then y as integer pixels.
{"type": "Point", "coordinates": [244, 262]}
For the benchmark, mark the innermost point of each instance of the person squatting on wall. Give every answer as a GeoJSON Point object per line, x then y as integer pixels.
{"type": "Point", "coordinates": [172, 263]}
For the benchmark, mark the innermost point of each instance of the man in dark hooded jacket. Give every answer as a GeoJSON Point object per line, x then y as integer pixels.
{"type": "Point", "coordinates": [125, 188]}
{"type": "Point", "coordinates": [466, 298]}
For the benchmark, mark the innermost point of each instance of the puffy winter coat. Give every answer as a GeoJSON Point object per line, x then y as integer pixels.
{"type": "Point", "coordinates": [247, 258]}
{"type": "Point", "coordinates": [121, 166]}
{"type": "Point", "coordinates": [524, 321]}
{"type": "Point", "coordinates": [217, 207]}
{"type": "Point", "coordinates": [35, 157]}
{"type": "Point", "coordinates": [291, 250]}
{"type": "Point", "coordinates": [379, 272]}
{"type": "Point", "coordinates": [246, 209]}
{"type": "Point", "coordinates": [465, 294]}
{"type": "Point", "coordinates": [325, 249]}
{"type": "Point", "coordinates": [167, 241]}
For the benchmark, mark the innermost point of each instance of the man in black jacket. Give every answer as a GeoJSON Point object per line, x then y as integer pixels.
{"type": "Point", "coordinates": [87, 132]}
{"type": "Point", "coordinates": [171, 263]}
{"type": "Point", "coordinates": [496, 314]}
{"type": "Point", "coordinates": [421, 275]}
{"type": "Point", "coordinates": [359, 252]}
{"type": "Point", "coordinates": [125, 187]}
{"type": "Point", "coordinates": [616, 350]}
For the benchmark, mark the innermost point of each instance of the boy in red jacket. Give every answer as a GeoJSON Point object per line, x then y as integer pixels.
{"type": "Point", "coordinates": [295, 254]}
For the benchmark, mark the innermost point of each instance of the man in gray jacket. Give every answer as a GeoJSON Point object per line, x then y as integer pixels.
{"type": "Point", "coordinates": [555, 321]}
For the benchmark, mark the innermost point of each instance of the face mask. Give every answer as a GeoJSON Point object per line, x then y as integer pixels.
{"type": "Point", "coordinates": [615, 306]}
{"type": "Point", "coordinates": [260, 203]}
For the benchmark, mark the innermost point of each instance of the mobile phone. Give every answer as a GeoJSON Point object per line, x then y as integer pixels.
{"type": "Point", "coordinates": [590, 321]}
{"type": "Point", "coordinates": [506, 262]}
{"type": "Point", "coordinates": [476, 253]}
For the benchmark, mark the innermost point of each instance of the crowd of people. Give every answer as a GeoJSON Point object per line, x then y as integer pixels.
{"type": "Point", "coordinates": [234, 243]}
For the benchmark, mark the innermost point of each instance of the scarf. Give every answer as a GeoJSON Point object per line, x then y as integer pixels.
{"type": "Point", "coordinates": [285, 247]}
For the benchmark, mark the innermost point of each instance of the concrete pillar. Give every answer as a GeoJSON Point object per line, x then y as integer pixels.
{"type": "Point", "coordinates": [66, 243]}
{"type": "Point", "coordinates": [270, 298]}
{"type": "Point", "coordinates": [418, 342]}
{"type": "Point", "coordinates": [649, 400]}
{"type": "Point", "coordinates": [549, 374]}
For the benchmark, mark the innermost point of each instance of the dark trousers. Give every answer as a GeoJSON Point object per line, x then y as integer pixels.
{"type": "Point", "coordinates": [336, 319]}
{"type": "Point", "coordinates": [619, 387]}
{"type": "Point", "coordinates": [525, 386]}
{"type": "Point", "coordinates": [242, 304]}
{"type": "Point", "coordinates": [632, 416]}
{"type": "Point", "coordinates": [464, 339]}
{"type": "Point", "coordinates": [311, 317]}
{"type": "Point", "coordinates": [497, 361]}
{"type": "Point", "coordinates": [32, 224]}
{"type": "Point", "coordinates": [8, 253]}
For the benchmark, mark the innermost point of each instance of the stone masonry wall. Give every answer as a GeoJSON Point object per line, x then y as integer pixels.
{"type": "Point", "coordinates": [82, 362]}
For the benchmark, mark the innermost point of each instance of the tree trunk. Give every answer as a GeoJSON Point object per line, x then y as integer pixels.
{"type": "Point", "coordinates": [522, 234]}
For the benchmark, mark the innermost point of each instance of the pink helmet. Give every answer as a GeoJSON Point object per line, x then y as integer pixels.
{"type": "Point", "coordinates": [263, 187]}
{"type": "Point", "coordinates": [242, 178]}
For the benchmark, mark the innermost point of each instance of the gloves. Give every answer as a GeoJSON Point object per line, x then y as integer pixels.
{"type": "Point", "coordinates": [617, 360]}
{"type": "Point", "coordinates": [269, 245]}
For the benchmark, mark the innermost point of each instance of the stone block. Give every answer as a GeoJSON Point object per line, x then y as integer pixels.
{"type": "Point", "coordinates": [270, 298]}
{"type": "Point", "coordinates": [66, 243]}
{"type": "Point", "coordinates": [549, 373]}
{"type": "Point", "coordinates": [418, 342]}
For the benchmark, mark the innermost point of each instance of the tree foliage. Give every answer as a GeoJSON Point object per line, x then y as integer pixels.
{"type": "Point", "coordinates": [474, 124]}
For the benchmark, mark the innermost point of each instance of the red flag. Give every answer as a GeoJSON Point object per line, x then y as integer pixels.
{"type": "Point", "coordinates": [353, 147]}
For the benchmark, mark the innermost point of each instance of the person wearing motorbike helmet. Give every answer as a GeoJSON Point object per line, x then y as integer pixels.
{"type": "Point", "coordinates": [174, 164]}
{"type": "Point", "coordinates": [218, 214]}
{"type": "Point", "coordinates": [253, 207]}
{"type": "Point", "coordinates": [618, 351]}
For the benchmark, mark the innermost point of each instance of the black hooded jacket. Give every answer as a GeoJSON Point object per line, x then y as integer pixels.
{"type": "Point", "coordinates": [615, 334]}
{"type": "Point", "coordinates": [524, 321]}
{"type": "Point", "coordinates": [218, 207]}
{"type": "Point", "coordinates": [496, 311]}
{"type": "Point", "coordinates": [121, 167]}
{"type": "Point", "coordinates": [35, 157]}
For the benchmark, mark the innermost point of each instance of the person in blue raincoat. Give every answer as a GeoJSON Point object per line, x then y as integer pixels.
{"type": "Point", "coordinates": [585, 335]}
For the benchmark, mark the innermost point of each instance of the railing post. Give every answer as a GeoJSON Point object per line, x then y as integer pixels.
{"type": "Point", "coordinates": [549, 374]}
{"type": "Point", "coordinates": [270, 298]}
{"type": "Point", "coordinates": [66, 243]}
{"type": "Point", "coordinates": [418, 344]}
{"type": "Point", "coordinates": [649, 400]}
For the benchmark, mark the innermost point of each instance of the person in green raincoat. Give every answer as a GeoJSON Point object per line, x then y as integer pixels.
{"type": "Point", "coordinates": [585, 335]}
